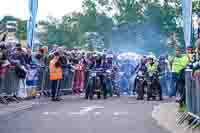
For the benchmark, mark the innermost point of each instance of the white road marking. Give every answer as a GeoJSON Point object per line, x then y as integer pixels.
{"type": "Point", "coordinates": [120, 113]}
{"type": "Point", "coordinates": [86, 110]}
{"type": "Point", "coordinates": [50, 113]}
{"type": "Point", "coordinates": [97, 113]}
{"type": "Point", "coordinates": [115, 113]}
{"type": "Point", "coordinates": [45, 113]}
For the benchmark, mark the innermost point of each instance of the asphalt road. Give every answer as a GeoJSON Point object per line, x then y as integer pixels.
{"type": "Point", "coordinates": [76, 115]}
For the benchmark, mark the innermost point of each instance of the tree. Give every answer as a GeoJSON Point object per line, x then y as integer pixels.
{"type": "Point", "coordinates": [22, 30]}
{"type": "Point", "coordinates": [104, 28]}
{"type": "Point", "coordinates": [150, 22]}
{"type": "Point", "coordinates": [95, 20]}
{"type": "Point", "coordinates": [128, 11]}
{"type": "Point", "coordinates": [196, 6]}
{"type": "Point", "coordinates": [65, 32]}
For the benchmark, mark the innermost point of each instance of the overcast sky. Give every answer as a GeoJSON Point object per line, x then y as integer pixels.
{"type": "Point", "coordinates": [56, 8]}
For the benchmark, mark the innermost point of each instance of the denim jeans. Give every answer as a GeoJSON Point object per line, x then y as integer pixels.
{"type": "Point", "coordinates": [163, 83]}
{"type": "Point", "coordinates": [174, 78]}
{"type": "Point", "coordinates": [124, 85]}
{"type": "Point", "coordinates": [55, 88]}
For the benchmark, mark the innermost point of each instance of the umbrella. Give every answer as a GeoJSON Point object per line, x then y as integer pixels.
{"type": "Point", "coordinates": [129, 56]}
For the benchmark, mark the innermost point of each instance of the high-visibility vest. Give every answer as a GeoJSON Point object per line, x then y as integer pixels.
{"type": "Point", "coordinates": [151, 68]}
{"type": "Point", "coordinates": [55, 72]}
{"type": "Point", "coordinates": [179, 63]}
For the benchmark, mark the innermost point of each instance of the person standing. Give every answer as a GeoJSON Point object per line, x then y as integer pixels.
{"type": "Point", "coordinates": [78, 83]}
{"type": "Point", "coordinates": [55, 69]}
{"type": "Point", "coordinates": [164, 68]}
{"type": "Point", "coordinates": [178, 64]}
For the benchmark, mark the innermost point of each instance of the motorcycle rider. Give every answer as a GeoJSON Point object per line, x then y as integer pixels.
{"type": "Point", "coordinates": [99, 65]}
{"type": "Point", "coordinates": [107, 66]}
{"type": "Point", "coordinates": [141, 67]}
{"type": "Point", "coordinates": [152, 70]}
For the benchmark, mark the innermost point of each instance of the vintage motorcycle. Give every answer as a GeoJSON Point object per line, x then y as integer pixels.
{"type": "Point", "coordinates": [140, 85]}
{"type": "Point", "coordinates": [153, 87]}
{"type": "Point", "coordinates": [109, 82]}
{"type": "Point", "coordinates": [95, 85]}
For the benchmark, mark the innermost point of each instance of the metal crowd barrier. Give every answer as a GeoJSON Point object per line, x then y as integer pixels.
{"type": "Point", "coordinates": [192, 93]}
{"type": "Point", "coordinates": [192, 114]}
{"type": "Point", "coordinates": [197, 95]}
{"type": "Point", "coordinates": [9, 84]}
{"type": "Point", "coordinates": [44, 84]}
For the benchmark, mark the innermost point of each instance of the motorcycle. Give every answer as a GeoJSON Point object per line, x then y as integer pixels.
{"type": "Point", "coordinates": [153, 86]}
{"type": "Point", "coordinates": [140, 85]}
{"type": "Point", "coordinates": [110, 84]}
{"type": "Point", "coordinates": [94, 85]}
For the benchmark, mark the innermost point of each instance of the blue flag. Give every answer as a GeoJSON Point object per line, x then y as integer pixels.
{"type": "Point", "coordinates": [187, 21]}
{"type": "Point", "coordinates": [33, 6]}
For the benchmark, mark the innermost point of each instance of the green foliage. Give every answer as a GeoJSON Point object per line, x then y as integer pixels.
{"type": "Point", "coordinates": [129, 11]}
{"type": "Point", "coordinates": [22, 30]}
{"type": "Point", "coordinates": [162, 20]}
{"type": "Point", "coordinates": [196, 6]}
{"type": "Point", "coordinates": [182, 109]}
{"type": "Point", "coordinates": [71, 30]}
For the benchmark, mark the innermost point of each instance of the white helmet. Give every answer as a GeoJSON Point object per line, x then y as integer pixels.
{"type": "Point", "coordinates": [151, 57]}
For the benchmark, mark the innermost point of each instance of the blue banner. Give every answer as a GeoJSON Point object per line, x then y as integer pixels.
{"type": "Point", "coordinates": [187, 21]}
{"type": "Point", "coordinates": [33, 6]}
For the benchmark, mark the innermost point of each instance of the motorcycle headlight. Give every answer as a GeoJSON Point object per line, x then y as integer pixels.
{"type": "Point", "coordinates": [93, 74]}
{"type": "Point", "coordinates": [140, 79]}
{"type": "Point", "coordinates": [140, 73]}
{"type": "Point", "coordinates": [108, 71]}
{"type": "Point", "coordinates": [150, 75]}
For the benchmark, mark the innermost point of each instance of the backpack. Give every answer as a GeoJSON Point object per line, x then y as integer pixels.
{"type": "Point", "coordinates": [20, 72]}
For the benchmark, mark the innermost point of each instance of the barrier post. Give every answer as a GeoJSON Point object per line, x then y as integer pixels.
{"type": "Point", "coordinates": [197, 94]}
{"type": "Point", "coordinates": [188, 87]}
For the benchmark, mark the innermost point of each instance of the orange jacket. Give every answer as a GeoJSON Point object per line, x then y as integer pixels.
{"type": "Point", "coordinates": [55, 72]}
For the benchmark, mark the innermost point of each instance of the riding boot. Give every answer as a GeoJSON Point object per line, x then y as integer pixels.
{"type": "Point", "coordinates": [160, 94]}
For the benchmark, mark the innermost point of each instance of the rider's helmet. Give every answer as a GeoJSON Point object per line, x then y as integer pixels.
{"type": "Point", "coordinates": [109, 56]}
{"type": "Point", "coordinates": [162, 58]}
{"type": "Point", "coordinates": [151, 57]}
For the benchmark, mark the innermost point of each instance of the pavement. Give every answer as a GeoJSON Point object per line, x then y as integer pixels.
{"type": "Point", "coordinates": [77, 115]}
{"type": "Point", "coordinates": [166, 115]}
{"type": "Point", "coordinates": [14, 107]}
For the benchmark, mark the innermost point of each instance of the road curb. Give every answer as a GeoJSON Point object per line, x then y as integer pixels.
{"type": "Point", "coordinates": [166, 114]}
{"type": "Point", "coordinates": [15, 110]}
